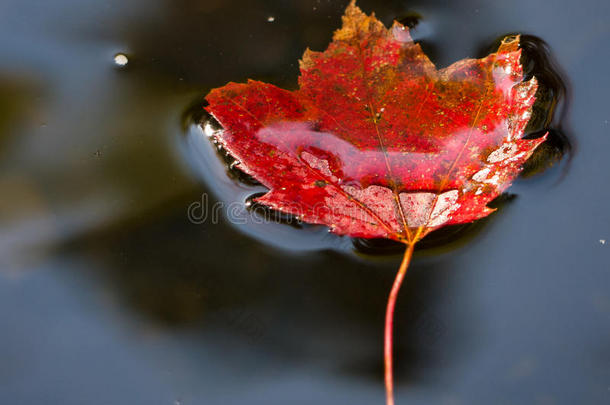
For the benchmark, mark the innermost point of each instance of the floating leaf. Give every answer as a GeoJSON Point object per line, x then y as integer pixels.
{"type": "Point", "coordinates": [378, 143]}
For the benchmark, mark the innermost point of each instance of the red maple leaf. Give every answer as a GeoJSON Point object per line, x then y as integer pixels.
{"type": "Point", "coordinates": [378, 143]}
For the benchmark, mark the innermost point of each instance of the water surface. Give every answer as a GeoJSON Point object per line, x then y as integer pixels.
{"type": "Point", "coordinates": [111, 295]}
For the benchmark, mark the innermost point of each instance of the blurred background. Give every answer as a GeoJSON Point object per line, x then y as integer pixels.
{"type": "Point", "coordinates": [111, 294]}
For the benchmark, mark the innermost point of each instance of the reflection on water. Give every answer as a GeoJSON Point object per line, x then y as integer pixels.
{"type": "Point", "coordinates": [111, 295]}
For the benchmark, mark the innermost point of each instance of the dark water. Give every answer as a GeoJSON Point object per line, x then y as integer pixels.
{"type": "Point", "coordinates": [111, 295]}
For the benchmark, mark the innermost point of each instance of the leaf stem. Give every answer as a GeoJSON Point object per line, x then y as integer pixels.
{"type": "Point", "coordinates": [389, 324]}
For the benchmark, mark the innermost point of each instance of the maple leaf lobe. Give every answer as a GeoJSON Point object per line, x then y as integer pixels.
{"type": "Point", "coordinates": [378, 143]}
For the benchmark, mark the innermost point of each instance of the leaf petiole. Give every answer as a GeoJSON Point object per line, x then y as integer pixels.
{"type": "Point", "coordinates": [389, 324]}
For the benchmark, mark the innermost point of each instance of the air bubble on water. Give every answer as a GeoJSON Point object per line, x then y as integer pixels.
{"type": "Point", "coordinates": [120, 59]}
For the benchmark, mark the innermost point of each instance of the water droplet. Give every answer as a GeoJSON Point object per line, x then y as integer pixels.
{"type": "Point", "coordinates": [208, 130]}
{"type": "Point", "coordinates": [120, 59]}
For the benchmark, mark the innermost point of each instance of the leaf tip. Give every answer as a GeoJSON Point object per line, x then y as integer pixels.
{"type": "Point", "coordinates": [355, 21]}
{"type": "Point", "coordinates": [510, 43]}
{"type": "Point", "coordinates": [306, 62]}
